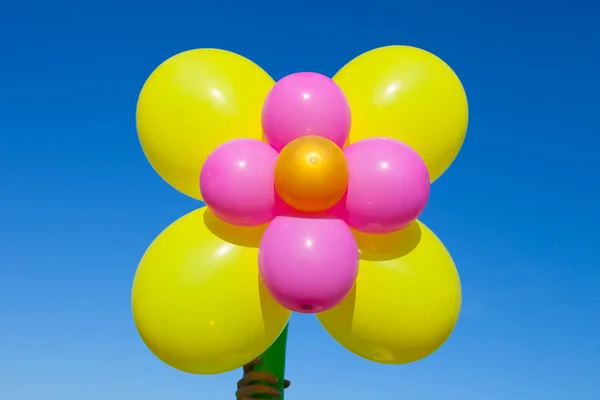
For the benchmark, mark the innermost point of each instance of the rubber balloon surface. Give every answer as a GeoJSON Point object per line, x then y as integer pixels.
{"type": "Point", "coordinates": [197, 288]}
{"type": "Point", "coordinates": [308, 265]}
{"type": "Point", "coordinates": [409, 94]}
{"type": "Point", "coordinates": [237, 182]}
{"type": "Point", "coordinates": [406, 300]}
{"type": "Point", "coordinates": [193, 102]}
{"type": "Point", "coordinates": [305, 104]}
{"type": "Point", "coordinates": [388, 186]}
{"type": "Point", "coordinates": [311, 174]}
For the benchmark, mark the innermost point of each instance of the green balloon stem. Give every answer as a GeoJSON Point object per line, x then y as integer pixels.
{"type": "Point", "coordinates": [273, 362]}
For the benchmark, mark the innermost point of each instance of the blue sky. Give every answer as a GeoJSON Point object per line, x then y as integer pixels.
{"type": "Point", "coordinates": [518, 209]}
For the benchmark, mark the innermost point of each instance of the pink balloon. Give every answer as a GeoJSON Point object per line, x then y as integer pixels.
{"type": "Point", "coordinates": [237, 182]}
{"type": "Point", "coordinates": [388, 185]}
{"type": "Point", "coordinates": [302, 104]}
{"type": "Point", "coordinates": [308, 265]}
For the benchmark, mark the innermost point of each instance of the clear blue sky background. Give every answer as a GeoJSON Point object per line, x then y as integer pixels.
{"type": "Point", "coordinates": [518, 209]}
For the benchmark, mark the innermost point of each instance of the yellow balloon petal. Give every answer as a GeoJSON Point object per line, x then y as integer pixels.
{"type": "Point", "coordinates": [407, 94]}
{"type": "Point", "coordinates": [197, 299]}
{"type": "Point", "coordinates": [192, 103]}
{"type": "Point", "coordinates": [406, 300]}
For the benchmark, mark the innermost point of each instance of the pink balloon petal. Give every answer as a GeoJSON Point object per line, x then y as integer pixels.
{"type": "Point", "coordinates": [308, 265]}
{"type": "Point", "coordinates": [305, 103]}
{"type": "Point", "coordinates": [388, 185]}
{"type": "Point", "coordinates": [237, 182]}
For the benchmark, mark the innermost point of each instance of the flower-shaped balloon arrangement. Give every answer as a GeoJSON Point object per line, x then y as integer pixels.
{"type": "Point", "coordinates": [313, 187]}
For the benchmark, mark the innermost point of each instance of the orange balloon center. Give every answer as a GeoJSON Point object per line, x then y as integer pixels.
{"type": "Point", "coordinates": [311, 174]}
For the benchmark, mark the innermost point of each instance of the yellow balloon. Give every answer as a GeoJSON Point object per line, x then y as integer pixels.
{"type": "Point", "coordinates": [406, 300]}
{"type": "Point", "coordinates": [192, 103]}
{"type": "Point", "coordinates": [407, 94]}
{"type": "Point", "coordinates": [197, 299]}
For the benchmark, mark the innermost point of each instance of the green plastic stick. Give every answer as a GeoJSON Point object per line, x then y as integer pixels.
{"type": "Point", "coordinates": [273, 362]}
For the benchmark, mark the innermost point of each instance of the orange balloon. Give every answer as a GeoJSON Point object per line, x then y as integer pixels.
{"type": "Point", "coordinates": [311, 174]}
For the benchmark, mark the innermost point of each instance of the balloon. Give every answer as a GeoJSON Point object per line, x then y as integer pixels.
{"type": "Point", "coordinates": [302, 104]}
{"type": "Point", "coordinates": [308, 265]}
{"type": "Point", "coordinates": [311, 174]}
{"type": "Point", "coordinates": [408, 94]}
{"type": "Point", "coordinates": [193, 102]}
{"type": "Point", "coordinates": [406, 300]}
{"type": "Point", "coordinates": [198, 302]}
{"type": "Point", "coordinates": [388, 186]}
{"type": "Point", "coordinates": [236, 182]}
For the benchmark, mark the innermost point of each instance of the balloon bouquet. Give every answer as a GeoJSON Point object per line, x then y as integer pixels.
{"type": "Point", "coordinates": [313, 187]}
